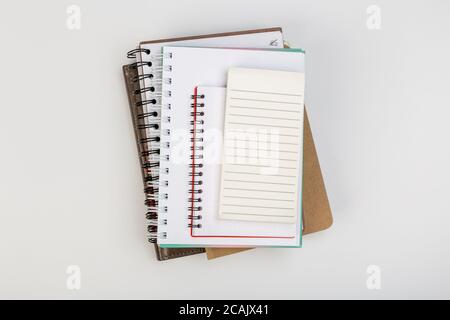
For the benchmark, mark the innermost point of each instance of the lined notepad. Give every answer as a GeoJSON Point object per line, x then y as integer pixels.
{"type": "Point", "coordinates": [262, 145]}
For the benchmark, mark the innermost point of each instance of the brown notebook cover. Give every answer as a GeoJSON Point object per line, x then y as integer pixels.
{"type": "Point", "coordinates": [316, 208]}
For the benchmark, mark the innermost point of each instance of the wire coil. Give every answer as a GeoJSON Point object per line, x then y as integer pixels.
{"type": "Point", "coordinates": [196, 165]}
{"type": "Point", "coordinates": [147, 85]}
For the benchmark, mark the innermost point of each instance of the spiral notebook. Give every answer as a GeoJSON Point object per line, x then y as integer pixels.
{"type": "Point", "coordinates": [143, 80]}
{"type": "Point", "coordinates": [175, 228]}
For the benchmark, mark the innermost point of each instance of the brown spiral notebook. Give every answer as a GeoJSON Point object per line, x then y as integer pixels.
{"type": "Point", "coordinates": [317, 213]}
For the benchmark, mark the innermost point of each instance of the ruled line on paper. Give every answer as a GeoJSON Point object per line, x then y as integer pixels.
{"type": "Point", "coordinates": [251, 189]}
{"type": "Point", "coordinates": [257, 198]}
{"type": "Point", "coordinates": [257, 214]}
{"type": "Point", "coordinates": [257, 173]}
{"type": "Point", "coordinates": [249, 206]}
{"type": "Point", "coordinates": [263, 125]}
{"type": "Point", "coordinates": [262, 117]}
{"type": "Point", "coordinates": [260, 158]}
{"type": "Point", "coordinates": [239, 131]}
{"type": "Point", "coordinates": [262, 100]}
{"type": "Point", "coordinates": [258, 149]}
{"type": "Point", "coordinates": [263, 142]}
{"type": "Point", "coordinates": [267, 92]}
{"type": "Point", "coordinates": [262, 182]}
{"type": "Point", "coordinates": [258, 165]}
{"type": "Point", "coordinates": [269, 109]}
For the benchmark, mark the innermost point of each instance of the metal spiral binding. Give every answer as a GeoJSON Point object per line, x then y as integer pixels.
{"type": "Point", "coordinates": [196, 165]}
{"type": "Point", "coordinates": [148, 93]}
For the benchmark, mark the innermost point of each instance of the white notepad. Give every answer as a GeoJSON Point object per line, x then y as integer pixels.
{"type": "Point", "coordinates": [263, 145]}
{"type": "Point", "coordinates": [187, 68]}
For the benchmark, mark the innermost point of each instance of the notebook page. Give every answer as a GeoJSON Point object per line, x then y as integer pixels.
{"type": "Point", "coordinates": [185, 73]}
{"type": "Point", "coordinates": [262, 145]}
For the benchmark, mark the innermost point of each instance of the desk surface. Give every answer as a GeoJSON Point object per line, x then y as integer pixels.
{"type": "Point", "coordinates": [70, 184]}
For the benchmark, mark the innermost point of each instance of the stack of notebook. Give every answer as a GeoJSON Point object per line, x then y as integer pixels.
{"type": "Point", "coordinates": [227, 157]}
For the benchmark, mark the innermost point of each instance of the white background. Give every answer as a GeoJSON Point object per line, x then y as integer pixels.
{"type": "Point", "coordinates": [70, 185]}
